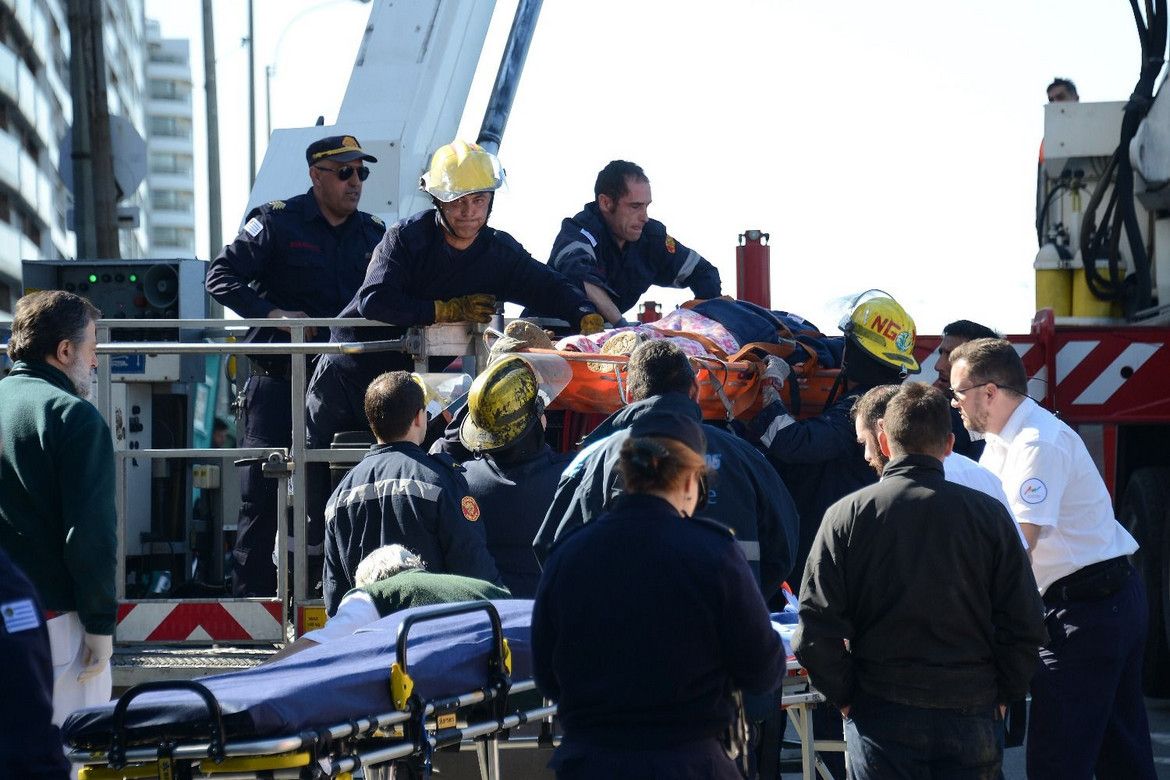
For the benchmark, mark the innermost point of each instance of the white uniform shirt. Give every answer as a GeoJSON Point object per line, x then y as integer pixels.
{"type": "Point", "coordinates": [963, 471]}
{"type": "Point", "coordinates": [1051, 482]}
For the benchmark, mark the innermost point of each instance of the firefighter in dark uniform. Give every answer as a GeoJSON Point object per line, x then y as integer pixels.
{"type": "Point", "coordinates": [398, 494]}
{"type": "Point", "coordinates": [301, 257]}
{"type": "Point", "coordinates": [440, 265]}
{"type": "Point", "coordinates": [514, 478]}
{"type": "Point", "coordinates": [31, 746]}
{"type": "Point", "coordinates": [616, 252]}
{"type": "Point", "coordinates": [648, 619]}
{"type": "Point", "coordinates": [746, 494]}
{"type": "Point", "coordinates": [819, 458]}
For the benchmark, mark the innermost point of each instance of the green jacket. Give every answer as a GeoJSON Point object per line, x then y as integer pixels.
{"type": "Point", "coordinates": [57, 516]}
{"type": "Point", "coordinates": [418, 588]}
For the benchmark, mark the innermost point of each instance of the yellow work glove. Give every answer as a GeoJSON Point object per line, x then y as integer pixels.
{"type": "Point", "coordinates": [592, 323]}
{"type": "Point", "coordinates": [477, 307]}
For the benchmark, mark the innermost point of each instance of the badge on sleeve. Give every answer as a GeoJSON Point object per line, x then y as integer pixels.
{"type": "Point", "coordinates": [1033, 491]}
{"type": "Point", "coordinates": [470, 508]}
{"type": "Point", "coordinates": [253, 227]}
{"type": "Point", "coordinates": [19, 616]}
{"type": "Point", "coordinates": [670, 245]}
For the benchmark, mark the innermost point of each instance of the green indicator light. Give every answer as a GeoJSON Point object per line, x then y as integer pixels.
{"type": "Point", "coordinates": [134, 277]}
{"type": "Point", "coordinates": [93, 278]}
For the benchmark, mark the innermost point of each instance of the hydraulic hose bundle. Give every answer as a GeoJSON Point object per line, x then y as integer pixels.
{"type": "Point", "coordinates": [1100, 239]}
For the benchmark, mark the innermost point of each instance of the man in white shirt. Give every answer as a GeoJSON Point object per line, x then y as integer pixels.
{"type": "Point", "coordinates": [1088, 715]}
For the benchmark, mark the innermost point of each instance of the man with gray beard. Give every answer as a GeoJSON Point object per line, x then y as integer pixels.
{"type": "Point", "coordinates": [57, 518]}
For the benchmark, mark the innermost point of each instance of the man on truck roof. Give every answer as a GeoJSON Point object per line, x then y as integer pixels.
{"type": "Point", "coordinates": [615, 252]}
{"type": "Point", "coordinates": [301, 257]}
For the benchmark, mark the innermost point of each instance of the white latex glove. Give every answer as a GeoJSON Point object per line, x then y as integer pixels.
{"type": "Point", "coordinates": [96, 656]}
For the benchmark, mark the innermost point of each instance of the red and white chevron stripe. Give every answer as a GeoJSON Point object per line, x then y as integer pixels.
{"type": "Point", "coordinates": [236, 620]}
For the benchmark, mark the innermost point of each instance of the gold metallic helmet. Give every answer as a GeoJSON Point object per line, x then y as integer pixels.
{"type": "Point", "coordinates": [881, 327]}
{"type": "Point", "coordinates": [459, 169]}
{"type": "Point", "coordinates": [503, 404]}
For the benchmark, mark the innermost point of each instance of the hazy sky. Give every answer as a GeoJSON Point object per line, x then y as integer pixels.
{"type": "Point", "coordinates": [888, 145]}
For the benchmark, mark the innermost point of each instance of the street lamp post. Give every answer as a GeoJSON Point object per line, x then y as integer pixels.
{"type": "Point", "coordinates": [270, 68]}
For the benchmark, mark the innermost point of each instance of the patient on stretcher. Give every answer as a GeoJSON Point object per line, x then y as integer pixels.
{"type": "Point", "coordinates": [389, 579]}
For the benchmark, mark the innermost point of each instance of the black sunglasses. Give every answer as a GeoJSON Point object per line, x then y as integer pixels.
{"type": "Point", "coordinates": [345, 171]}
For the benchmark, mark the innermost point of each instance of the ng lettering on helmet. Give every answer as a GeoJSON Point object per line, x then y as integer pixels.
{"type": "Point", "coordinates": [885, 326]}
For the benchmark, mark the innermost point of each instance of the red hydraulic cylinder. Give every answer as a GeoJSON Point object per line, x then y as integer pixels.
{"type": "Point", "coordinates": [753, 277]}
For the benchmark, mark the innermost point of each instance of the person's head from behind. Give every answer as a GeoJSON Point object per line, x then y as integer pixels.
{"type": "Point", "coordinates": [657, 368]}
{"type": "Point", "coordinates": [988, 382]}
{"type": "Point", "coordinates": [666, 457]}
{"type": "Point", "coordinates": [395, 407]}
{"type": "Point", "coordinates": [917, 421]}
{"type": "Point", "coordinates": [867, 415]}
{"type": "Point", "coordinates": [954, 334]}
{"type": "Point", "coordinates": [1062, 91]}
{"type": "Point", "coordinates": [60, 329]}
{"type": "Point", "coordinates": [219, 433]}
{"type": "Point", "coordinates": [622, 194]}
{"type": "Point", "coordinates": [383, 563]}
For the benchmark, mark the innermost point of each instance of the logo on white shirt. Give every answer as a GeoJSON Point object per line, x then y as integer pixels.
{"type": "Point", "coordinates": [1033, 491]}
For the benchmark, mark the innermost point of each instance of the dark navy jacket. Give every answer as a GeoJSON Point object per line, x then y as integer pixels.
{"type": "Point", "coordinates": [414, 266]}
{"type": "Point", "coordinates": [31, 745]}
{"type": "Point", "coordinates": [514, 498]}
{"type": "Point", "coordinates": [745, 493]}
{"type": "Point", "coordinates": [287, 256]}
{"type": "Point", "coordinates": [818, 458]}
{"type": "Point", "coordinates": [585, 251]}
{"type": "Point", "coordinates": [398, 494]}
{"type": "Point", "coordinates": [675, 602]}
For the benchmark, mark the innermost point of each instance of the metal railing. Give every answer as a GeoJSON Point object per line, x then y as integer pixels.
{"type": "Point", "coordinates": [421, 343]}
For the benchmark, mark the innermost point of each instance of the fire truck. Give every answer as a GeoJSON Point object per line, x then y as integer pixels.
{"type": "Point", "coordinates": [1097, 352]}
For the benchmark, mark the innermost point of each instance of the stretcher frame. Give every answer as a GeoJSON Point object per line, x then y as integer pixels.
{"type": "Point", "coordinates": [798, 699]}
{"type": "Point", "coordinates": [415, 730]}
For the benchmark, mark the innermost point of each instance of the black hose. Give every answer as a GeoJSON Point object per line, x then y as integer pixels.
{"type": "Point", "coordinates": [1102, 241]}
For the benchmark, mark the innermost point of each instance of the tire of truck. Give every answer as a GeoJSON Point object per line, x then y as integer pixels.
{"type": "Point", "coordinates": [1145, 511]}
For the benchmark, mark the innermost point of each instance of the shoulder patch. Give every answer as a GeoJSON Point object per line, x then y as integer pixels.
{"type": "Point", "coordinates": [589, 237]}
{"type": "Point", "coordinates": [253, 227]}
{"type": "Point", "coordinates": [713, 525]}
{"type": "Point", "coordinates": [470, 508]}
{"type": "Point", "coordinates": [276, 205]}
{"type": "Point", "coordinates": [670, 245]}
{"type": "Point", "coordinates": [19, 616]}
{"type": "Point", "coordinates": [377, 220]}
{"type": "Point", "coordinates": [1033, 491]}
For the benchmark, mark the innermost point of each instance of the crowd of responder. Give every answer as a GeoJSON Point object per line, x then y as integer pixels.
{"type": "Point", "coordinates": [934, 591]}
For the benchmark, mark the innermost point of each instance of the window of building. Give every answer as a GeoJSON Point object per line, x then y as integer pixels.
{"type": "Point", "coordinates": [169, 162]}
{"type": "Point", "coordinates": [172, 200]}
{"type": "Point", "coordinates": [173, 236]}
{"type": "Point", "coordinates": [169, 127]}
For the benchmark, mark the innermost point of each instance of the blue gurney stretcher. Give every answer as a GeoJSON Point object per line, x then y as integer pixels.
{"type": "Point", "coordinates": [395, 690]}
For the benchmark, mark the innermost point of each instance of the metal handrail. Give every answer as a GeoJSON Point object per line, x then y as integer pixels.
{"type": "Point", "coordinates": [413, 341]}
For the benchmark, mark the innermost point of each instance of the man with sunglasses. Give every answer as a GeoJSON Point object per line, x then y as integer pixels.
{"type": "Point", "coordinates": [1087, 715]}
{"type": "Point", "coordinates": [301, 257]}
